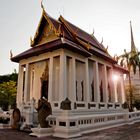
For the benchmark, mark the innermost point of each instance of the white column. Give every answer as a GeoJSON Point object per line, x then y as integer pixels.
{"type": "Point", "coordinates": [115, 91]}
{"type": "Point", "coordinates": [63, 81]}
{"type": "Point", "coordinates": [87, 82]}
{"type": "Point", "coordinates": [27, 84]}
{"type": "Point", "coordinates": [113, 98]}
{"type": "Point", "coordinates": [20, 86]}
{"type": "Point", "coordinates": [50, 93]}
{"type": "Point", "coordinates": [105, 93]}
{"type": "Point", "coordinates": [96, 82]}
{"type": "Point", "coordinates": [73, 82]}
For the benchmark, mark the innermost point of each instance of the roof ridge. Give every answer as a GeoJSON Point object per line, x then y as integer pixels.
{"type": "Point", "coordinates": [98, 45]}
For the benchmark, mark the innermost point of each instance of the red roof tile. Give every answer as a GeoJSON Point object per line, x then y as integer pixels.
{"type": "Point", "coordinates": [68, 31]}
{"type": "Point", "coordinates": [50, 46]}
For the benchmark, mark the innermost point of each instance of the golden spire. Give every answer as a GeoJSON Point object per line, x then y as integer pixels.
{"type": "Point", "coordinates": [133, 47]}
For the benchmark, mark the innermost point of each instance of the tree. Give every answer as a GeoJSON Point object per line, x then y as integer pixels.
{"type": "Point", "coordinates": [7, 94]}
{"type": "Point", "coordinates": [131, 61]}
{"type": "Point", "coordinates": [8, 89]}
{"type": "Point", "coordinates": [8, 77]}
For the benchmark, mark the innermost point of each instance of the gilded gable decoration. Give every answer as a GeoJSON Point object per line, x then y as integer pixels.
{"type": "Point", "coordinates": [45, 74]}
{"type": "Point", "coordinates": [58, 32]}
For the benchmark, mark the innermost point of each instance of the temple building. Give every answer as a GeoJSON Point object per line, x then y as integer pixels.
{"type": "Point", "coordinates": [71, 69]}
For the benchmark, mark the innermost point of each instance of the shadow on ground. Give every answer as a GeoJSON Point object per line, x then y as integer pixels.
{"type": "Point", "coordinates": [125, 132]}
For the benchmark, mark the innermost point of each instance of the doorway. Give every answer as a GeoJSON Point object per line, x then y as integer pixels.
{"type": "Point", "coordinates": [44, 89]}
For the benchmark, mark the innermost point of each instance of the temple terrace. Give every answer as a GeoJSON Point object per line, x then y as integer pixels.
{"type": "Point", "coordinates": [75, 73]}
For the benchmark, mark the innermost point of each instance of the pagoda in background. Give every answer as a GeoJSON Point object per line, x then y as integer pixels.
{"type": "Point", "coordinates": [135, 77]}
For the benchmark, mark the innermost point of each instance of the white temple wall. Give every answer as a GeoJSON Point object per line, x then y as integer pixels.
{"type": "Point", "coordinates": [39, 68]}
{"type": "Point", "coordinates": [78, 75]}
{"type": "Point", "coordinates": [100, 71]}
{"type": "Point", "coordinates": [38, 71]}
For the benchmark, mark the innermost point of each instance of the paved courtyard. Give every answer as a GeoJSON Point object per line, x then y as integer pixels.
{"type": "Point", "coordinates": [126, 132]}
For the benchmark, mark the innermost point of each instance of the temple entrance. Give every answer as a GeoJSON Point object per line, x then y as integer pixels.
{"type": "Point", "coordinates": [45, 82]}
{"type": "Point", "coordinates": [44, 89]}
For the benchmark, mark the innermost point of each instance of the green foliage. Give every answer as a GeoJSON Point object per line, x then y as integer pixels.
{"type": "Point", "coordinates": [7, 94]}
{"type": "Point", "coordinates": [125, 105]}
{"type": "Point", "coordinates": [8, 89]}
{"type": "Point", "coordinates": [127, 91]}
{"type": "Point", "coordinates": [9, 77]}
{"type": "Point", "coordinates": [4, 120]}
{"type": "Point", "coordinates": [130, 60]}
{"type": "Point", "coordinates": [137, 104]}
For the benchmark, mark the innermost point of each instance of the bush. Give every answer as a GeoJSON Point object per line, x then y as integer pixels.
{"type": "Point", "coordinates": [125, 105]}
{"type": "Point", "coordinates": [4, 120]}
{"type": "Point", "coordinates": [137, 104]}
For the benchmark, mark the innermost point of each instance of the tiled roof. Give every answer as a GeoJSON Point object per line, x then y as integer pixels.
{"type": "Point", "coordinates": [120, 68]}
{"type": "Point", "coordinates": [76, 39]}
{"type": "Point", "coordinates": [50, 46]}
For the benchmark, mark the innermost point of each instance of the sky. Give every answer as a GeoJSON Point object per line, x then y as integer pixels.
{"type": "Point", "coordinates": [110, 20]}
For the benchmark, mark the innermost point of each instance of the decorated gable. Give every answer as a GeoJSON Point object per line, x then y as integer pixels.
{"type": "Point", "coordinates": [45, 33]}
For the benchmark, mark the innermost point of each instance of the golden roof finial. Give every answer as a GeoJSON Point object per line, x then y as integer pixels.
{"type": "Point", "coordinates": [31, 41]}
{"type": "Point", "coordinates": [11, 54]}
{"type": "Point", "coordinates": [93, 32]}
{"type": "Point", "coordinates": [42, 5]}
{"type": "Point", "coordinates": [102, 41]}
{"type": "Point", "coordinates": [88, 45]}
{"type": "Point", "coordinates": [116, 58]}
{"type": "Point", "coordinates": [58, 31]}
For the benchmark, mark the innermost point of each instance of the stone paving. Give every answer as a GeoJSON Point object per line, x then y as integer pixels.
{"type": "Point", "coordinates": [126, 132]}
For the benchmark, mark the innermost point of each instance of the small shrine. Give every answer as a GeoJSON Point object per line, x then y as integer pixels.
{"type": "Point", "coordinates": [74, 72]}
